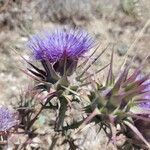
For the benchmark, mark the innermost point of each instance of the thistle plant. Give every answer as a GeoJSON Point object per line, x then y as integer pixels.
{"type": "Point", "coordinates": [118, 106]}
{"type": "Point", "coordinates": [58, 52]}
{"type": "Point", "coordinates": [61, 48]}
{"type": "Point", "coordinates": [9, 121]}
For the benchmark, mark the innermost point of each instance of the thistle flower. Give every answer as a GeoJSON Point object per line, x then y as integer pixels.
{"type": "Point", "coordinates": [8, 119]}
{"type": "Point", "coordinates": [59, 44]}
{"type": "Point", "coordinates": [61, 48]}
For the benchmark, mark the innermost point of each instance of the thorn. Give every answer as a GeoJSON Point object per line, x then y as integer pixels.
{"type": "Point", "coordinates": [84, 63]}
{"type": "Point", "coordinates": [95, 72]}
{"type": "Point", "coordinates": [110, 77]}
{"type": "Point", "coordinates": [33, 77]}
{"type": "Point", "coordinates": [92, 62]}
{"type": "Point", "coordinates": [88, 119]}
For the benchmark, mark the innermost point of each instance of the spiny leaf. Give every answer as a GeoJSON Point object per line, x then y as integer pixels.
{"type": "Point", "coordinates": [40, 87]}
{"type": "Point", "coordinates": [37, 69]}
{"type": "Point", "coordinates": [137, 132]}
{"type": "Point", "coordinates": [137, 71]}
{"type": "Point", "coordinates": [84, 63]}
{"type": "Point", "coordinates": [86, 69]}
{"type": "Point", "coordinates": [110, 77]}
{"type": "Point", "coordinates": [36, 74]}
{"type": "Point", "coordinates": [51, 74]}
{"type": "Point", "coordinates": [33, 77]}
{"type": "Point", "coordinates": [88, 119]}
{"type": "Point", "coordinates": [95, 73]}
{"type": "Point", "coordinates": [132, 78]}
{"type": "Point", "coordinates": [137, 83]}
{"type": "Point", "coordinates": [121, 79]}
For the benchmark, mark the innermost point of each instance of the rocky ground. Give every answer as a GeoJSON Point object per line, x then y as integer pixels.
{"type": "Point", "coordinates": [109, 21]}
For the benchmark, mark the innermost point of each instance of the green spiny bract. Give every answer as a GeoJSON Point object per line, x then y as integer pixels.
{"type": "Point", "coordinates": [114, 106]}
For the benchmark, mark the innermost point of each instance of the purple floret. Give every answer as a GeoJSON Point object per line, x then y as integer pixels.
{"type": "Point", "coordinates": [146, 95]}
{"type": "Point", "coordinates": [145, 105]}
{"type": "Point", "coordinates": [59, 44]}
{"type": "Point", "coordinates": [8, 119]}
{"type": "Point", "coordinates": [147, 86]}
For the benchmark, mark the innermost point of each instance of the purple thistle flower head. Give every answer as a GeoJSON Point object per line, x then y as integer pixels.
{"type": "Point", "coordinates": [8, 119]}
{"type": "Point", "coordinates": [60, 44]}
{"type": "Point", "coordinates": [146, 96]}
{"type": "Point", "coordinates": [62, 48]}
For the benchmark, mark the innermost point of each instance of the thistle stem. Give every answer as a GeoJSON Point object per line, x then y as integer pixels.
{"type": "Point", "coordinates": [61, 116]}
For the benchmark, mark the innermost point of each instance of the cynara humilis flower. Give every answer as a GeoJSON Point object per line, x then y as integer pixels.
{"type": "Point", "coordinates": [8, 119]}
{"type": "Point", "coordinates": [62, 47]}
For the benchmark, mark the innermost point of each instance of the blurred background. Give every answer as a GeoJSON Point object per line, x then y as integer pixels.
{"type": "Point", "coordinates": [125, 23]}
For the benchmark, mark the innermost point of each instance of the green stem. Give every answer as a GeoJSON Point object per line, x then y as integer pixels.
{"type": "Point", "coordinates": [61, 116]}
